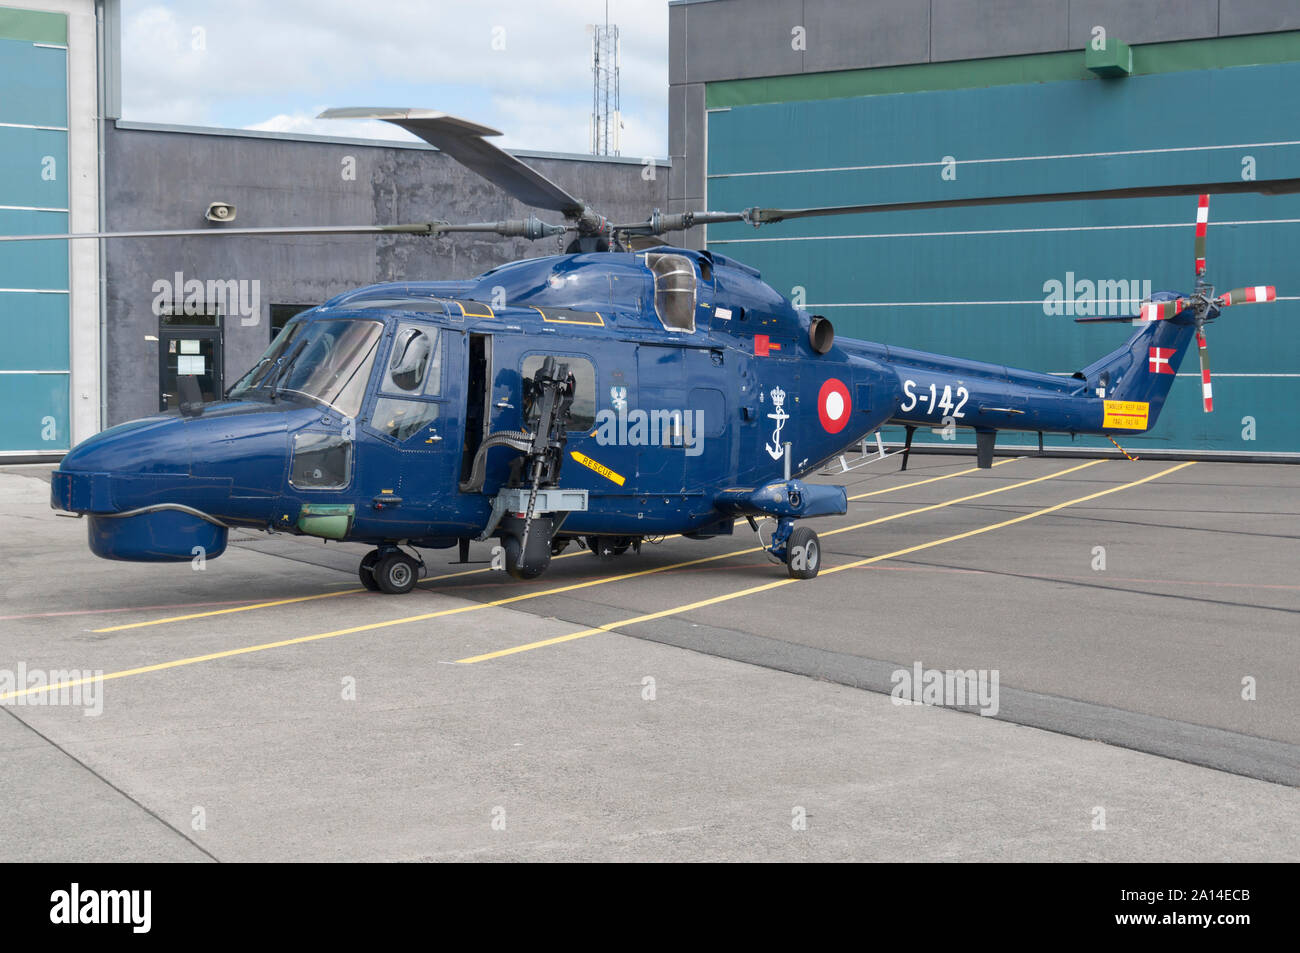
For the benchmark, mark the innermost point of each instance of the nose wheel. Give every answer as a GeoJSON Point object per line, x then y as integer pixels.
{"type": "Point", "coordinates": [391, 571]}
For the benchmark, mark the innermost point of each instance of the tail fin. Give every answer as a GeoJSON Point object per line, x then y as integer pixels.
{"type": "Point", "coordinates": [1144, 367]}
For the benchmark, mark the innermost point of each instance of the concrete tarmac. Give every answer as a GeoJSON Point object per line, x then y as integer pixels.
{"type": "Point", "coordinates": [685, 703]}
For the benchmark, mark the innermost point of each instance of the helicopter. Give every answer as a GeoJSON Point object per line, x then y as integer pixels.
{"type": "Point", "coordinates": [622, 391]}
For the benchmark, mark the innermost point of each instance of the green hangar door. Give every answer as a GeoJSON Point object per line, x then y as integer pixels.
{"type": "Point", "coordinates": [1004, 284]}
{"type": "Point", "coordinates": [34, 368]}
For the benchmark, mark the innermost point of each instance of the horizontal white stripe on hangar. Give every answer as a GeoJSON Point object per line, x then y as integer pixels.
{"type": "Point", "coordinates": [28, 125]}
{"type": "Point", "coordinates": [996, 231]}
{"type": "Point", "coordinates": [988, 161]}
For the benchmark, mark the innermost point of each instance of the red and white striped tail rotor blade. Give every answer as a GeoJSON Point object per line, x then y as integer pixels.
{"type": "Point", "coordinates": [1202, 222]}
{"type": "Point", "coordinates": [1161, 310]}
{"type": "Point", "coordinates": [1207, 392]}
{"type": "Point", "coordinates": [1258, 294]}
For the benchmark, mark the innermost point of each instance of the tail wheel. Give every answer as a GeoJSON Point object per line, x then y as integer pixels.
{"type": "Point", "coordinates": [803, 554]}
{"type": "Point", "coordinates": [367, 570]}
{"type": "Point", "coordinates": [396, 573]}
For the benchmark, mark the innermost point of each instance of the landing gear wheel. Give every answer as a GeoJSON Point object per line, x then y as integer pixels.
{"type": "Point", "coordinates": [396, 573]}
{"type": "Point", "coordinates": [607, 547]}
{"type": "Point", "coordinates": [803, 554]}
{"type": "Point", "coordinates": [367, 570]}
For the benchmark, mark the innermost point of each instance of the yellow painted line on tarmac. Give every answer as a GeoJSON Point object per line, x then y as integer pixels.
{"type": "Point", "coordinates": [205, 615]}
{"type": "Point", "coordinates": [961, 499]}
{"type": "Point", "coordinates": [946, 476]}
{"type": "Point", "coordinates": [855, 564]}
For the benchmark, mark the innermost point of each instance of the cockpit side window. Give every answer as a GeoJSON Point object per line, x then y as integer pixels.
{"type": "Point", "coordinates": [675, 291]}
{"type": "Point", "coordinates": [415, 362]}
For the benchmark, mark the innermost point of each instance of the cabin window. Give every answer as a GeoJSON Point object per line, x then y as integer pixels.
{"type": "Point", "coordinates": [415, 362]}
{"type": "Point", "coordinates": [402, 419]}
{"type": "Point", "coordinates": [321, 461]}
{"type": "Point", "coordinates": [675, 288]}
{"type": "Point", "coordinates": [582, 413]}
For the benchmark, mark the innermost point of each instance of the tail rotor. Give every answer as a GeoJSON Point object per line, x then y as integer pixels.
{"type": "Point", "coordinates": [1203, 303]}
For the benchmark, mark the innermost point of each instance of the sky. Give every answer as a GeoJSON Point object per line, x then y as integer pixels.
{"type": "Point", "coordinates": [521, 67]}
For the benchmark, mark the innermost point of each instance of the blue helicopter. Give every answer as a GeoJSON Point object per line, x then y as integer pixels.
{"type": "Point", "coordinates": [622, 391]}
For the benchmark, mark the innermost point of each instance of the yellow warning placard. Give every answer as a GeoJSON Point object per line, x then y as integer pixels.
{"type": "Point", "coordinates": [600, 468]}
{"type": "Point", "coordinates": [1126, 414]}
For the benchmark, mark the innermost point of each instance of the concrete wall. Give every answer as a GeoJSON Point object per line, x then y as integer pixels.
{"type": "Point", "coordinates": [714, 40]}
{"type": "Point", "coordinates": [165, 178]}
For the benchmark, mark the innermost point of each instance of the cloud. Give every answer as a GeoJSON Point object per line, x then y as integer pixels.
{"type": "Point", "coordinates": [249, 63]}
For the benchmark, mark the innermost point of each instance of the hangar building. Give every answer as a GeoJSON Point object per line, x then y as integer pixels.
{"type": "Point", "coordinates": [799, 103]}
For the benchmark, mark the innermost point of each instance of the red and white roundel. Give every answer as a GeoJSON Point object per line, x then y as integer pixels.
{"type": "Point", "coordinates": [834, 406]}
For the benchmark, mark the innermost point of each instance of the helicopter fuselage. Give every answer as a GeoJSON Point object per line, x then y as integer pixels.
{"type": "Point", "coordinates": [695, 386]}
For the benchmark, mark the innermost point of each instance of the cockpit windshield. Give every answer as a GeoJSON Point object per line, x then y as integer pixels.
{"type": "Point", "coordinates": [328, 360]}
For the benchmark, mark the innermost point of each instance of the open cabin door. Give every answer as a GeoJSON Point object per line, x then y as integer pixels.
{"type": "Point", "coordinates": [476, 374]}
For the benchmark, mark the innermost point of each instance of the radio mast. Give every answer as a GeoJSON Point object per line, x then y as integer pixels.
{"type": "Point", "coordinates": [606, 121]}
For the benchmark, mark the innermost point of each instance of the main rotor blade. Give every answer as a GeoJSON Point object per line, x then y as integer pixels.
{"type": "Point", "coordinates": [464, 142]}
{"type": "Point", "coordinates": [425, 228]}
{"type": "Point", "coordinates": [530, 228]}
{"type": "Point", "coordinates": [762, 216]}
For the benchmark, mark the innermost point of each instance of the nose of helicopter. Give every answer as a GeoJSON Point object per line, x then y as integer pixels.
{"type": "Point", "coordinates": [153, 445]}
{"type": "Point", "coordinates": [163, 489]}
{"type": "Point", "coordinates": [133, 482]}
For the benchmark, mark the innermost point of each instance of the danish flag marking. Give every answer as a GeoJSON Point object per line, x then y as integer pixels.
{"type": "Point", "coordinates": [1159, 360]}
